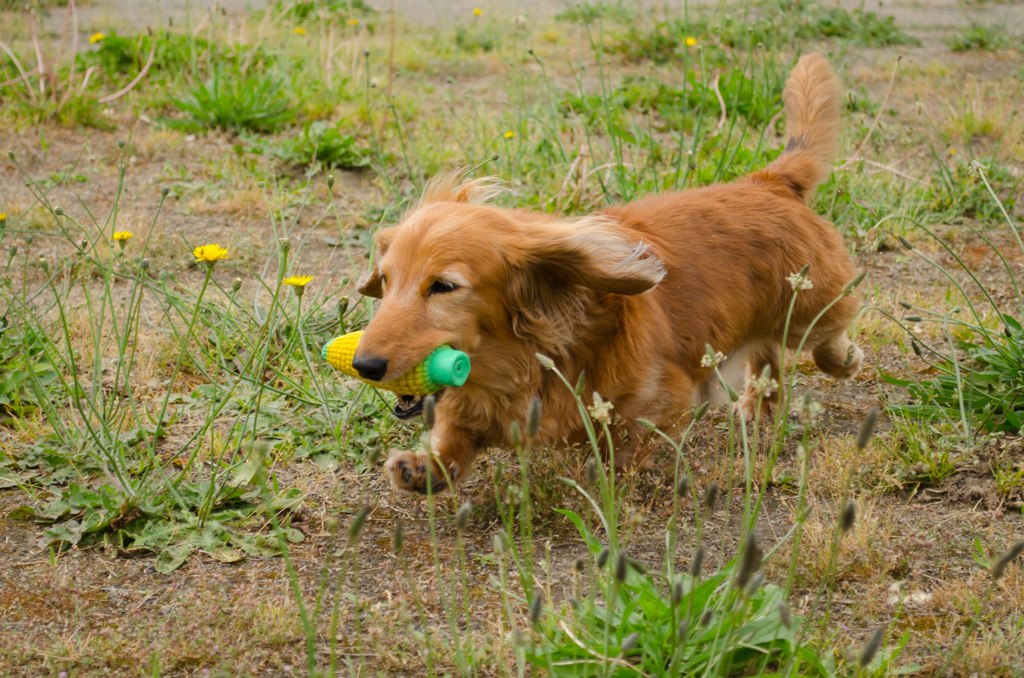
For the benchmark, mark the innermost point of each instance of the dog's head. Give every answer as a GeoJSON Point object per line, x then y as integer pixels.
{"type": "Point", "coordinates": [456, 272]}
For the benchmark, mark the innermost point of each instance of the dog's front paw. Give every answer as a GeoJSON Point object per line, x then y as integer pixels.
{"type": "Point", "coordinates": [411, 472]}
{"type": "Point", "coordinates": [748, 404]}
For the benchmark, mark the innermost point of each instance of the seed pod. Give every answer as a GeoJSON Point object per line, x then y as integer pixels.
{"type": "Point", "coordinates": [285, 244]}
{"type": "Point", "coordinates": [592, 471]}
{"type": "Point", "coordinates": [752, 556]}
{"type": "Point", "coordinates": [330, 181]}
{"type": "Point", "coordinates": [683, 487]}
{"type": "Point", "coordinates": [462, 517]}
{"type": "Point", "coordinates": [784, 614]}
{"type": "Point", "coordinates": [536, 607]}
{"type": "Point", "coordinates": [573, 602]}
{"type": "Point", "coordinates": [59, 211]}
{"type": "Point", "coordinates": [120, 143]}
{"type": "Point", "coordinates": [913, 318]}
{"type": "Point", "coordinates": [145, 264]}
{"type": "Point", "coordinates": [533, 418]}
{"type": "Point", "coordinates": [870, 648]}
{"type": "Point", "coordinates": [711, 495]}
{"type": "Point", "coordinates": [630, 642]}
{"type": "Point", "coordinates": [398, 538]}
{"type": "Point", "coordinates": [906, 243]}
{"type": "Point", "coordinates": [917, 348]}
{"type": "Point", "coordinates": [515, 434]}
{"type": "Point", "coordinates": [356, 526]}
{"type": "Point", "coordinates": [677, 594]}
{"type": "Point", "coordinates": [682, 631]}
{"type": "Point", "coordinates": [849, 288]}
{"type": "Point", "coordinates": [581, 564]}
{"type": "Point", "coordinates": [701, 411]}
{"type": "Point", "coordinates": [603, 556]}
{"type": "Point", "coordinates": [621, 567]}
{"type": "Point", "coordinates": [847, 517]}
{"type": "Point", "coordinates": [1006, 559]}
{"type": "Point", "coordinates": [906, 305]}
{"type": "Point", "coordinates": [754, 585]}
{"type": "Point", "coordinates": [697, 564]}
{"type": "Point", "coordinates": [867, 428]}
{"type": "Point", "coordinates": [164, 192]}
{"type": "Point", "coordinates": [707, 617]}
{"type": "Point", "coordinates": [236, 284]}
{"type": "Point", "coordinates": [428, 411]}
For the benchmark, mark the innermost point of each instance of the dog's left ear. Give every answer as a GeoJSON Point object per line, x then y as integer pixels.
{"type": "Point", "coordinates": [370, 285]}
{"type": "Point", "coordinates": [595, 252]}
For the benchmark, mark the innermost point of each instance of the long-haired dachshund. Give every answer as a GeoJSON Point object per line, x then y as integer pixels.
{"type": "Point", "coordinates": [630, 295]}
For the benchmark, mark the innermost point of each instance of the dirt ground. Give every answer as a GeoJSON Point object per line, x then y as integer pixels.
{"type": "Point", "coordinates": [97, 612]}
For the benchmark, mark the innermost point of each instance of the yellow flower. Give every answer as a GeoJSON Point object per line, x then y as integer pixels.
{"type": "Point", "coordinates": [691, 41]}
{"type": "Point", "coordinates": [952, 151]}
{"type": "Point", "coordinates": [477, 11]}
{"type": "Point", "coordinates": [509, 134]}
{"type": "Point", "coordinates": [300, 30]}
{"type": "Point", "coordinates": [298, 282]}
{"type": "Point", "coordinates": [3, 217]}
{"type": "Point", "coordinates": [122, 237]}
{"type": "Point", "coordinates": [353, 22]}
{"type": "Point", "coordinates": [209, 253]}
{"type": "Point", "coordinates": [95, 37]}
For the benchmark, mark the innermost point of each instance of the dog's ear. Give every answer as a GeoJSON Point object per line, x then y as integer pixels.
{"type": "Point", "coordinates": [595, 252]}
{"type": "Point", "coordinates": [370, 285]}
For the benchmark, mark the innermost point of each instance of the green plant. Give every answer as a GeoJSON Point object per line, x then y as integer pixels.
{"type": "Point", "coordinates": [635, 624]}
{"type": "Point", "coordinates": [55, 88]}
{"type": "Point", "coordinates": [925, 453]}
{"type": "Point", "coordinates": [234, 103]}
{"type": "Point", "coordinates": [980, 37]}
{"type": "Point", "coordinates": [859, 27]}
{"type": "Point", "coordinates": [979, 359]}
{"type": "Point", "coordinates": [319, 145]}
{"type": "Point", "coordinates": [22, 353]}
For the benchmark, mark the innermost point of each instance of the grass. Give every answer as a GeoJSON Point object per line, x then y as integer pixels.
{"type": "Point", "coordinates": [187, 487]}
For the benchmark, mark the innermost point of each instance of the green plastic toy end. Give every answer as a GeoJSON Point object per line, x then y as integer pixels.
{"type": "Point", "coordinates": [448, 367]}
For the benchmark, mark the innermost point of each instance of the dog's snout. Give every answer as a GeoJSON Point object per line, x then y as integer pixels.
{"type": "Point", "coordinates": [373, 369]}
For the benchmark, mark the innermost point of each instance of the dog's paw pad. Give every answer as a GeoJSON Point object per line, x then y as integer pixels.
{"type": "Point", "coordinates": [415, 473]}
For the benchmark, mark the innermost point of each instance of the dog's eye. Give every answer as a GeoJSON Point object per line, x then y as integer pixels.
{"type": "Point", "coordinates": [442, 287]}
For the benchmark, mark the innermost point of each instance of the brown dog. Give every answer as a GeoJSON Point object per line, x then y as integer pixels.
{"type": "Point", "coordinates": [630, 296]}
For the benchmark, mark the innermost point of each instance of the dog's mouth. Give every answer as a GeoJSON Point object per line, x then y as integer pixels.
{"type": "Point", "coordinates": [408, 407]}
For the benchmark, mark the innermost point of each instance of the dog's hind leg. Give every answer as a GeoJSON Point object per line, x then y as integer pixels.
{"type": "Point", "coordinates": [838, 357]}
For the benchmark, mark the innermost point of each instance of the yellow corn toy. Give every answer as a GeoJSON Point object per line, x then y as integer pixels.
{"type": "Point", "coordinates": [444, 367]}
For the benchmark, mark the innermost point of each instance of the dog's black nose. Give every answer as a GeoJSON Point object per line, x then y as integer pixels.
{"type": "Point", "coordinates": [373, 369]}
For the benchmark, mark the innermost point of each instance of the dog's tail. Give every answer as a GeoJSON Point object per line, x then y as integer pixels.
{"type": "Point", "coordinates": [813, 101]}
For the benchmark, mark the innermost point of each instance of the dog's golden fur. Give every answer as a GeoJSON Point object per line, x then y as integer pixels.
{"type": "Point", "coordinates": [630, 295]}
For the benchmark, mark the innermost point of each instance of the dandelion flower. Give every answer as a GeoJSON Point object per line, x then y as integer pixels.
{"type": "Point", "coordinates": [298, 282]}
{"type": "Point", "coordinates": [3, 217]}
{"type": "Point", "coordinates": [211, 254]}
{"type": "Point", "coordinates": [122, 237]}
{"type": "Point", "coordinates": [952, 151]}
{"type": "Point", "coordinates": [95, 37]}
{"type": "Point", "coordinates": [299, 30]}
{"type": "Point", "coordinates": [353, 22]}
{"type": "Point", "coordinates": [477, 11]}
{"type": "Point", "coordinates": [691, 41]}
{"type": "Point", "coordinates": [509, 134]}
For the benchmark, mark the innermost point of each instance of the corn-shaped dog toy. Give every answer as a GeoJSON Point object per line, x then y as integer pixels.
{"type": "Point", "coordinates": [444, 367]}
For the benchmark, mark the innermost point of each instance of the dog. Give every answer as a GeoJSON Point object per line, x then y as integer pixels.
{"type": "Point", "coordinates": [629, 296]}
